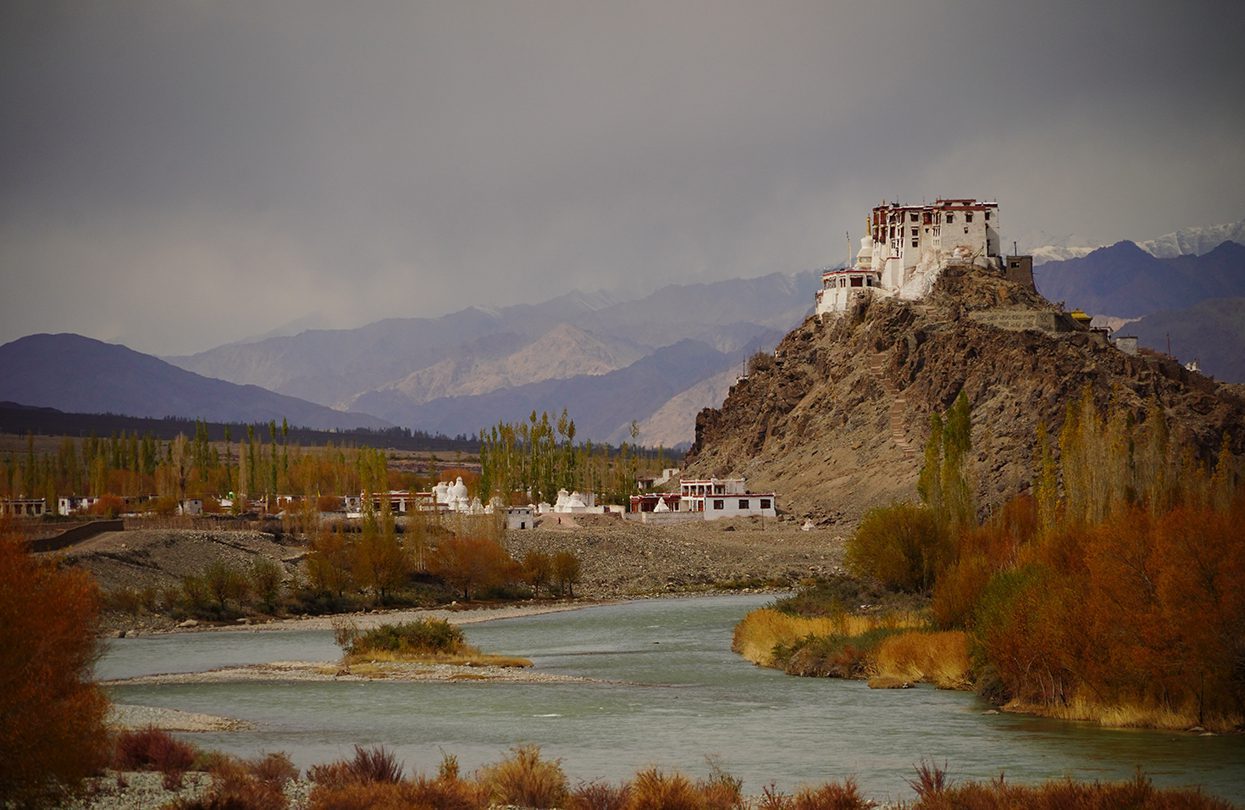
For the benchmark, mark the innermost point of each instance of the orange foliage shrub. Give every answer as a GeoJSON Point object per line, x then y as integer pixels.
{"type": "Point", "coordinates": [1139, 619]}
{"type": "Point", "coordinates": [472, 563]}
{"type": "Point", "coordinates": [52, 728]}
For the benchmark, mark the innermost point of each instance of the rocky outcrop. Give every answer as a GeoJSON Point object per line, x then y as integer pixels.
{"type": "Point", "coordinates": [835, 421]}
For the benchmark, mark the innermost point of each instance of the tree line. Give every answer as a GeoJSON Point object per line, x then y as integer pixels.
{"type": "Point", "coordinates": [528, 461]}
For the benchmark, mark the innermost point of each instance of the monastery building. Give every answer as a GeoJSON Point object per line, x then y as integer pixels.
{"type": "Point", "coordinates": [908, 245]}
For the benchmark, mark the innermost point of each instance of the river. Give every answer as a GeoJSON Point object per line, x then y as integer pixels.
{"type": "Point", "coordinates": [671, 694]}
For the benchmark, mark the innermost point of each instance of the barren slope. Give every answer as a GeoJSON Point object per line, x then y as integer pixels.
{"type": "Point", "coordinates": [836, 424]}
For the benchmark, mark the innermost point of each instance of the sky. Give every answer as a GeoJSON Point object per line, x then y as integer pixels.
{"type": "Point", "coordinates": [179, 175]}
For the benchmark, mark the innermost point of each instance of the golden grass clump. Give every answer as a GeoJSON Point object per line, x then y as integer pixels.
{"type": "Point", "coordinates": [653, 790]}
{"type": "Point", "coordinates": [1130, 715]}
{"type": "Point", "coordinates": [762, 630]}
{"type": "Point", "coordinates": [1137, 792]}
{"type": "Point", "coordinates": [525, 779]}
{"type": "Point", "coordinates": [938, 658]}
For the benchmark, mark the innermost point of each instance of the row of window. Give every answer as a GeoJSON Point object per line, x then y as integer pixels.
{"type": "Point", "coordinates": [719, 505]}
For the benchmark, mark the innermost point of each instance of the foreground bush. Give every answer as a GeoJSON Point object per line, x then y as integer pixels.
{"type": "Point", "coordinates": [525, 779]}
{"type": "Point", "coordinates": [830, 796]}
{"type": "Point", "coordinates": [244, 785]}
{"type": "Point", "coordinates": [52, 732]}
{"type": "Point", "coordinates": [151, 749]}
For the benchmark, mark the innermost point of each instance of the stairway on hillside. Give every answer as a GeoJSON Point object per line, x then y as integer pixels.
{"type": "Point", "coordinates": [898, 404]}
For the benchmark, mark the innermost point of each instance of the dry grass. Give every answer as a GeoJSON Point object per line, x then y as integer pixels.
{"type": "Point", "coordinates": [1136, 793]}
{"type": "Point", "coordinates": [525, 779]}
{"type": "Point", "coordinates": [762, 630]}
{"type": "Point", "coordinates": [938, 658]}
{"type": "Point", "coordinates": [830, 796]}
{"type": "Point", "coordinates": [653, 790]}
{"type": "Point", "coordinates": [1130, 715]}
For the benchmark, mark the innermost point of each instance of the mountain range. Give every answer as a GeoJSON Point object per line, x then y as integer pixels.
{"type": "Point", "coordinates": [1198, 301]}
{"type": "Point", "coordinates": [609, 362]}
{"type": "Point", "coordinates": [1185, 242]}
{"type": "Point", "coordinates": [74, 373]}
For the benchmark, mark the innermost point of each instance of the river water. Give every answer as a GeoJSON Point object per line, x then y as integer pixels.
{"type": "Point", "coordinates": [673, 695]}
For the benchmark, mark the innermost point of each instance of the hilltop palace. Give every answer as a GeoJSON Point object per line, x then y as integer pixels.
{"type": "Point", "coordinates": [908, 245]}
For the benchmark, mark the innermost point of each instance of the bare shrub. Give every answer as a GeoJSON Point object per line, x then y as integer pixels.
{"type": "Point", "coordinates": [369, 765]}
{"type": "Point", "coordinates": [151, 749]}
{"type": "Point", "coordinates": [930, 780]}
{"type": "Point", "coordinates": [599, 796]}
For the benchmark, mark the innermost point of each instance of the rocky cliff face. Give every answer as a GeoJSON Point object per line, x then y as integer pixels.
{"type": "Point", "coordinates": [836, 421]}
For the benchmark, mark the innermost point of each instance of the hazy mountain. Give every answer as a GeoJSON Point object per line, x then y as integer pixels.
{"type": "Point", "coordinates": [601, 405]}
{"type": "Point", "coordinates": [390, 367]}
{"type": "Point", "coordinates": [1124, 280]}
{"type": "Point", "coordinates": [74, 373]}
{"type": "Point", "coordinates": [335, 367]}
{"type": "Point", "coordinates": [1193, 241]}
{"type": "Point", "coordinates": [1211, 332]}
{"type": "Point", "coordinates": [564, 351]}
{"type": "Point", "coordinates": [673, 425]}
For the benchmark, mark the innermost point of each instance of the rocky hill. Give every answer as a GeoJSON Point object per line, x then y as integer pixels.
{"type": "Point", "coordinates": [835, 422]}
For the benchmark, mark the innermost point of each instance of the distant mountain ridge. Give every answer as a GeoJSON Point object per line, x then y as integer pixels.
{"type": "Point", "coordinates": [74, 373]}
{"type": "Point", "coordinates": [424, 373]}
{"type": "Point", "coordinates": [1193, 241]}
{"type": "Point", "coordinates": [1124, 280]}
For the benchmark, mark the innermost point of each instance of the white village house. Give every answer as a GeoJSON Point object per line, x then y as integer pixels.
{"type": "Point", "coordinates": [707, 499]}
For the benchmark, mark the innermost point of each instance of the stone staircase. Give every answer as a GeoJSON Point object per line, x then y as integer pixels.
{"type": "Point", "coordinates": [898, 404]}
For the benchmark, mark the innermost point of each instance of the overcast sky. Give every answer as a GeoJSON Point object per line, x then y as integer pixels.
{"type": "Point", "coordinates": [177, 175]}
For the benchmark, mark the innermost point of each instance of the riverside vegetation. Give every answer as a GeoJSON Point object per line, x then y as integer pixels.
{"type": "Point", "coordinates": [373, 778]}
{"type": "Point", "coordinates": [1114, 591]}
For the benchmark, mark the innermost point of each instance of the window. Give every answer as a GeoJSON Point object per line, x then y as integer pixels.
{"type": "Point", "coordinates": [914, 231]}
{"type": "Point", "coordinates": [719, 505]}
{"type": "Point", "coordinates": [914, 241]}
{"type": "Point", "coordinates": [913, 216]}
{"type": "Point", "coordinates": [950, 217]}
{"type": "Point", "coordinates": [743, 503]}
{"type": "Point", "coordinates": [765, 503]}
{"type": "Point", "coordinates": [968, 216]}
{"type": "Point", "coordinates": [855, 281]}
{"type": "Point", "coordinates": [987, 216]}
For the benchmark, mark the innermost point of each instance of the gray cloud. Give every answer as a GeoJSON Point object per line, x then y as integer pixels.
{"type": "Point", "coordinates": [176, 175]}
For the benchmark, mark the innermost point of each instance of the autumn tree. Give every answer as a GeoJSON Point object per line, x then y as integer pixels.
{"type": "Point", "coordinates": [471, 563]}
{"type": "Point", "coordinates": [537, 569]}
{"type": "Point", "coordinates": [566, 572]}
{"type": "Point", "coordinates": [52, 715]}
{"type": "Point", "coordinates": [379, 562]}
